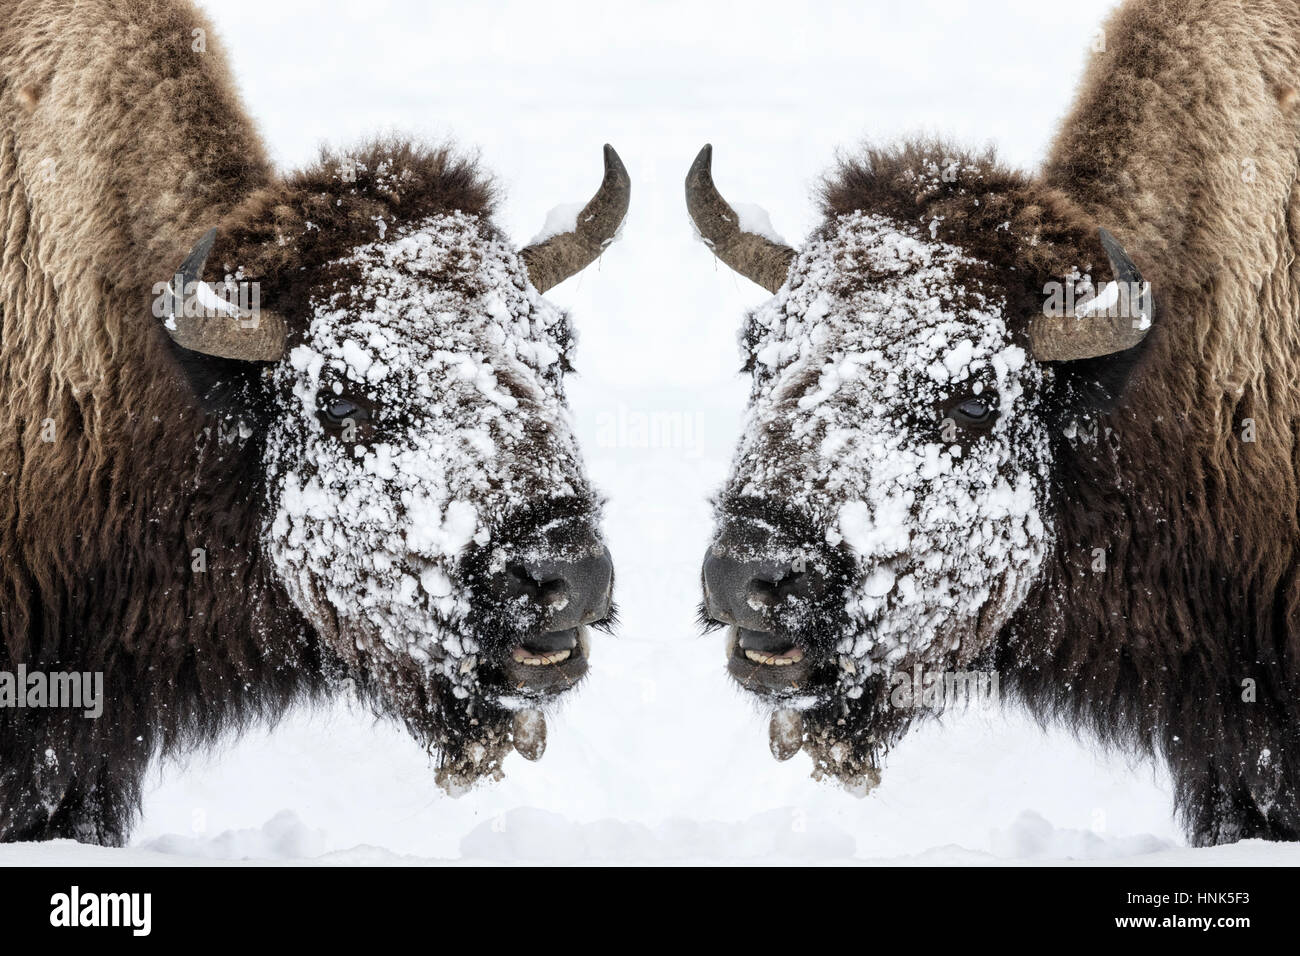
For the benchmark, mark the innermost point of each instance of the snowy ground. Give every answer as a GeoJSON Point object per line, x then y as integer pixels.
{"type": "Point", "coordinates": [658, 757]}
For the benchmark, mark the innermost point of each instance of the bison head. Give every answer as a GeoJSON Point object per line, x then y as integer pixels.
{"type": "Point", "coordinates": [892, 497]}
{"type": "Point", "coordinates": [399, 379]}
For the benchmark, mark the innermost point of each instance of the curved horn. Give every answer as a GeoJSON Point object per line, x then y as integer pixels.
{"type": "Point", "coordinates": [1111, 322]}
{"type": "Point", "coordinates": [553, 260]}
{"type": "Point", "coordinates": [254, 335]}
{"type": "Point", "coordinates": [755, 257]}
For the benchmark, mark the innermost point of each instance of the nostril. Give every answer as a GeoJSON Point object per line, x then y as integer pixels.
{"type": "Point", "coordinates": [764, 592]}
{"type": "Point", "coordinates": [554, 594]}
{"type": "Point", "coordinates": [761, 595]}
{"type": "Point", "coordinates": [571, 591]}
{"type": "Point", "coordinates": [795, 584]}
{"type": "Point", "coordinates": [520, 581]}
{"type": "Point", "coordinates": [751, 592]}
{"type": "Point", "coordinates": [546, 585]}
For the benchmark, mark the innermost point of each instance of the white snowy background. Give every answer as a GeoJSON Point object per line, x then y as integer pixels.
{"type": "Point", "coordinates": [658, 758]}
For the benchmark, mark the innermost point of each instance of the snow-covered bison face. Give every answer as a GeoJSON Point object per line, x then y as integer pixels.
{"type": "Point", "coordinates": [886, 507]}
{"type": "Point", "coordinates": [892, 497]}
{"type": "Point", "coordinates": [422, 500]}
{"type": "Point", "coordinates": [427, 507]}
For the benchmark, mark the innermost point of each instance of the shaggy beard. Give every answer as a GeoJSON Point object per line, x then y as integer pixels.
{"type": "Point", "coordinates": [848, 739]}
{"type": "Point", "coordinates": [443, 701]}
{"type": "Point", "coordinates": [850, 720]}
{"type": "Point", "coordinates": [468, 732]}
{"type": "Point", "coordinates": [458, 722]}
{"type": "Point", "coordinates": [854, 722]}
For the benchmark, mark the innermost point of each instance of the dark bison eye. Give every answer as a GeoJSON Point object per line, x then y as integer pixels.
{"type": "Point", "coordinates": [975, 412]}
{"type": "Point", "coordinates": [339, 413]}
{"type": "Point", "coordinates": [341, 409]}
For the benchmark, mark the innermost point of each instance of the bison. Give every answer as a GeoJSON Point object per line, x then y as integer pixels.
{"type": "Point", "coordinates": [334, 451]}
{"type": "Point", "coordinates": [973, 448]}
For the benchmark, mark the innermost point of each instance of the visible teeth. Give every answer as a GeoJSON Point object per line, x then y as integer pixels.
{"type": "Point", "coordinates": [529, 659]}
{"type": "Point", "coordinates": [793, 656]}
{"type": "Point", "coordinates": [785, 734]}
{"type": "Point", "coordinates": [529, 733]}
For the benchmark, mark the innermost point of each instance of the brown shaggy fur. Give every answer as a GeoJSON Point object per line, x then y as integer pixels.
{"type": "Point", "coordinates": [1185, 143]}
{"type": "Point", "coordinates": [1179, 140]}
{"type": "Point", "coordinates": [331, 207]}
{"type": "Point", "coordinates": [119, 146]}
{"type": "Point", "coordinates": [999, 215]}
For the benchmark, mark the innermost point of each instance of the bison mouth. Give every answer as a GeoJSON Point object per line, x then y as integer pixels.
{"type": "Point", "coordinates": [548, 663]}
{"type": "Point", "coordinates": [768, 662]}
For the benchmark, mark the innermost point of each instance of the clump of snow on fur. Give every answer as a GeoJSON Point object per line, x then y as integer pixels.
{"type": "Point", "coordinates": [749, 218]}
{"type": "Point", "coordinates": [560, 219]}
{"type": "Point", "coordinates": [852, 383]}
{"type": "Point", "coordinates": [755, 219]}
{"type": "Point", "coordinates": [460, 359]}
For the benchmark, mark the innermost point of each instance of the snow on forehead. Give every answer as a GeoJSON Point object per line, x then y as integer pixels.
{"type": "Point", "coordinates": [459, 356]}
{"type": "Point", "coordinates": [859, 355]}
{"type": "Point", "coordinates": [436, 287]}
{"type": "Point", "coordinates": [901, 320]}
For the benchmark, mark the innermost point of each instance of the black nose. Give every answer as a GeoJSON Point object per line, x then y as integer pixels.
{"type": "Point", "coordinates": [569, 591]}
{"type": "Point", "coordinates": [746, 592]}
